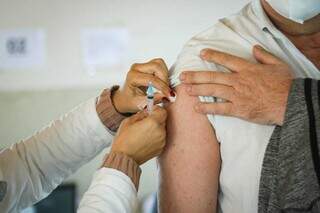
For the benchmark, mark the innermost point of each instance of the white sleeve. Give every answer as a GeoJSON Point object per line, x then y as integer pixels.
{"type": "Point", "coordinates": [189, 60]}
{"type": "Point", "coordinates": [219, 37]}
{"type": "Point", "coordinates": [110, 191]}
{"type": "Point", "coordinates": [37, 165]}
{"type": "Point", "coordinates": [213, 38]}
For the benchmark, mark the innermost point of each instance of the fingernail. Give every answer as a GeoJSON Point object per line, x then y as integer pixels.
{"type": "Point", "coordinates": [172, 93]}
{"type": "Point", "coordinates": [182, 77]}
{"type": "Point", "coordinates": [203, 53]}
{"type": "Point", "coordinates": [259, 47]}
{"type": "Point", "coordinates": [145, 107]}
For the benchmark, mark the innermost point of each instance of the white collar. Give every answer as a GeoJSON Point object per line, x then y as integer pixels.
{"type": "Point", "coordinates": [264, 21]}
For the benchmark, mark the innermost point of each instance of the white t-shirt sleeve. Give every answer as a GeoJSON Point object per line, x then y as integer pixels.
{"type": "Point", "coordinates": [189, 60]}
{"type": "Point", "coordinates": [220, 37]}
{"type": "Point", "coordinates": [110, 191]}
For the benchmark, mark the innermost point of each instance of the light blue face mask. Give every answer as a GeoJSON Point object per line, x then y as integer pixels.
{"type": "Point", "coordinates": [296, 10]}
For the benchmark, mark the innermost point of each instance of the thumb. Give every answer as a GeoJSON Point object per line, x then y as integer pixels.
{"type": "Point", "coordinates": [138, 117]}
{"type": "Point", "coordinates": [132, 120]}
{"type": "Point", "coordinates": [159, 114]}
{"type": "Point", "coordinates": [264, 57]}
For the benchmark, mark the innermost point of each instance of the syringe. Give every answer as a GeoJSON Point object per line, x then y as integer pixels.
{"type": "Point", "coordinates": [150, 98]}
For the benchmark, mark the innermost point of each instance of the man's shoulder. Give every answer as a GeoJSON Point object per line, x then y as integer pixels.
{"type": "Point", "coordinates": [230, 35]}
{"type": "Point", "coordinates": [228, 29]}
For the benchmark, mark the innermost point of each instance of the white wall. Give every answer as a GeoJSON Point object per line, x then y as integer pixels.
{"type": "Point", "coordinates": [157, 29]}
{"type": "Point", "coordinates": [31, 98]}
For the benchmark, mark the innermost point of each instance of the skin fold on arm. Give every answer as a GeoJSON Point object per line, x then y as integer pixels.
{"type": "Point", "coordinates": [190, 164]}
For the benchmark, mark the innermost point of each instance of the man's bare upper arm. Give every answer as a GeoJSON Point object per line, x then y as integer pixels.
{"type": "Point", "coordinates": [190, 165]}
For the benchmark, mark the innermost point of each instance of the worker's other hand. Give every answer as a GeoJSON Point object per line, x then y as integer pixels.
{"type": "Point", "coordinates": [142, 136]}
{"type": "Point", "coordinates": [133, 93]}
{"type": "Point", "coordinates": [256, 92]}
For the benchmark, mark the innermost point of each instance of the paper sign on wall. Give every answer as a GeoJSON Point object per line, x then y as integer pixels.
{"type": "Point", "coordinates": [21, 49]}
{"type": "Point", "coordinates": [104, 47]}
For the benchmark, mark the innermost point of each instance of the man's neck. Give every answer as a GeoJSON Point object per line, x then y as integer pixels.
{"type": "Point", "coordinates": [306, 36]}
{"type": "Point", "coordinates": [290, 27]}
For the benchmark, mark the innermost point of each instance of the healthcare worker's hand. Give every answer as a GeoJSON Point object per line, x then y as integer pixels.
{"type": "Point", "coordinates": [142, 136]}
{"type": "Point", "coordinates": [256, 92]}
{"type": "Point", "coordinates": [132, 95]}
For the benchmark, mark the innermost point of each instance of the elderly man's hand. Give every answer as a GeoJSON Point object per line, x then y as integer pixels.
{"type": "Point", "coordinates": [256, 92]}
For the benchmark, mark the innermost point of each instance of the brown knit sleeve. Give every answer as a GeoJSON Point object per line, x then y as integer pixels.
{"type": "Point", "coordinates": [124, 164]}
{"type": "Point", "coordinates": [106, 110]}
